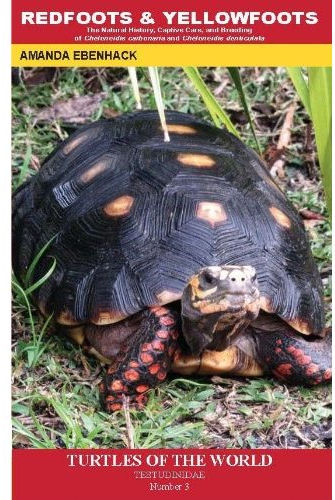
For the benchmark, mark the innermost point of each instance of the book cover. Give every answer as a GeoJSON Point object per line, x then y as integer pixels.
{"type": "Point", "coordinates": [171, 241]}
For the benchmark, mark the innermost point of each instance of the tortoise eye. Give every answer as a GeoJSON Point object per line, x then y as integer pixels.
{"type": "Point", "coordinates": [208, 278]}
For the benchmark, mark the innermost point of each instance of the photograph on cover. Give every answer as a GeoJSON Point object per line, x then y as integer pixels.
{"type": "Point", "coordinates": [171, 270]}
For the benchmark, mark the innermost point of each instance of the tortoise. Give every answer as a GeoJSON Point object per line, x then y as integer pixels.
{"type": "Point", "coordinates": [180, 256]}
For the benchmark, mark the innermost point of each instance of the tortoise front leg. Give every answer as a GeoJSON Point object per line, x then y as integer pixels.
{"type": "Point", "coordinates": [143, 360]}
{"type": "Point", "coordinates": [292, 358]}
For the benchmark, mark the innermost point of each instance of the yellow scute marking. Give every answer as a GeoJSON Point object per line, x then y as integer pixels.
{"type": "Point", "coordinates": [300, 325]}
{"type": "Point", "coordinates": [108, 317]}
{"type": "Point", "coordinates": [180, 129]}
{"type": "Point", "coordinates": [167, 296]}
{"type": "Point", "coordinates": [70, 146]}
{"type": "Point", "coordinates": [120, 206]}
{"type": "Point", "coordinates": [280, 217]}
{"type": "Point", "coordinates": [211, 212]}
{"type": "Point", "coordinates": [196, 160]}
{"type": "Point", "coordinates": [93, 171]}
{"type": "Point", "coordinates": [186, 364]}
{"type": "Point", "coordinates": [215, 363]}
{"type": "Point", "coordinates": [66, 318]}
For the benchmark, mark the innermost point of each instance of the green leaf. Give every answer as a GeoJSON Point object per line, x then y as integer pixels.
{"type": "Point", "coordinates": [245, 410]}
{"type": "Point", "coordinates": [320, 91]}
{"type": "Point", "coordinates": [88, 422]}
{"type": "Point", "coordinates": [30, 354]}
{"type": "Point", "coordinates": [219, 116]}
{"type": "Point", "coordinates": [317, 99]}
{"type": "Point", "coordinates": [235, 74]}
{"type": "Point", "coordinates": [20, 409]}
{"type": "Point", "coordinates": [203, 395]}
{"type": "Point", "coordinates": [301, 86]}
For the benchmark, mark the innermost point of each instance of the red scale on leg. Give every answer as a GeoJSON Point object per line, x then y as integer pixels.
{"type": "Point", "coordinates": [158, 345]}
{"type": "Point", "coordinates": [159, 311]}
{"type": "Point", "coordinates": [132, 375]}
{"type": "Point", "coordinates": [153, 369]}
{"type": "Point", "coordinates": [166, 321]}
{"type": "Point", "coordinates": [142, 388]}
{"type": "Point", "coordinates": [141, 399]}
{"type": "Point", "coordinates": [303, 359]}
{"type": "Point", "coordinates": [300, 356]}
{"type": "Point", "coordinates": [162, 334]}
{"type": "Point", "coordinates": [146, 347]}
{"type": "Point", "coordinates": [115, 406]}
{"type": "Point", "coordinates": [146, 357]}
{"type": "Point", "coordinates": [161, 375]}
{"type": "Point", "coordinates": [278, 375]}
{"type": "Point", "coordinates": [117, 385]}
{"type": "Point", "coordinates": [284, 369]}
{"type": "Point", "coordinates": [312, 369]}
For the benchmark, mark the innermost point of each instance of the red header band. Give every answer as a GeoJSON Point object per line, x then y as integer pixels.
{"type": "Point", "coordinates": [102, 22]}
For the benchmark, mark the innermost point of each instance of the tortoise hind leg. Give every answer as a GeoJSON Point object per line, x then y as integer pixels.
{"type": "Point", "coordinates": [143, 359]}
{"type": "Point", "coordinates": [294, 359]}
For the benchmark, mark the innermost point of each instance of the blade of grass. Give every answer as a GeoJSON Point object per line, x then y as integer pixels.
{"type": "Point", "coordinates": [134, 83]}
{"type": "Point", "coordinates": [235, 75]}
{"type": "Point", "coordinates": [219, 116]}
{"type": "Point", "coordinates": [35, 349]}
{"type": "Point", "coordinates": [153, 73]}
{"type": "Point", "coordinates": [31, 269]}
{"type": "Point", "coordinates": [43, 279]}
{"type": "Point", "coordinates": [24, 431]}
{"type": "Point", "coordinates": [301, 86]}
{"type": "Point", "coordinates": [42, 431]}
{"type": "Point", "coordinates": [27, 305]}
{"type": "Point", "coordinates": [25, 166]}
{"type": "Point", "coordinates": [320, 81]}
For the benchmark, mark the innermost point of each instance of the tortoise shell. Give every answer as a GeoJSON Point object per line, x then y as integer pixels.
{"type": "Point", "coordinates": [133, 217]}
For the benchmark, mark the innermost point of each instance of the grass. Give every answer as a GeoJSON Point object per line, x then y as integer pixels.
{"type": "Point", "coordinates": [55, 395]}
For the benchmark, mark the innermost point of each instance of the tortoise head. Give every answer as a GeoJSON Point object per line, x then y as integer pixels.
{"type": "Point", "coordinates": [218, 302]}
